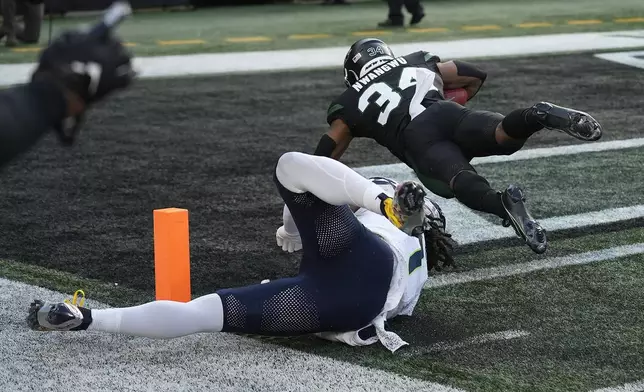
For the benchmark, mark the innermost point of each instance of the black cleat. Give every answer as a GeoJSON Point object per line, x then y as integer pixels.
{"type": "Point", "coordinates": [416, 18]}
{"type": "Point", "coordinates": [53, 317]}
{"type": "Point", "coordinates": [524, 224]}
{"type": "Point", "coordinates": [573, 122]}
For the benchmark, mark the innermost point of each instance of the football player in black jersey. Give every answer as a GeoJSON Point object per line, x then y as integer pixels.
{"type": "Point", "coordinates": [400, 103]}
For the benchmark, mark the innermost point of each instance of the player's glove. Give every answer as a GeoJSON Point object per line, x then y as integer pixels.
{"type": "Point", "coordinates": [289, 242]}
{"type": "Point", "coordinates": [86, 67]}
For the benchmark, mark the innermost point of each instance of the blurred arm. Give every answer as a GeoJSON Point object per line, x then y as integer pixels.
{"type": "Point", "coordinates": [26, 113]}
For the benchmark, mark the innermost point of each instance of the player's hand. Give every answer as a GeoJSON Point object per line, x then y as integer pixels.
{"type": "Point", "coordinates": [87, 69]}
{"type": "Point", "coordinates": [289, 242]}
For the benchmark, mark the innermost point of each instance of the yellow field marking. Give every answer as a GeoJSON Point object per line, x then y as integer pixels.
{"type": "Point", "coordinates": [248, 39]}
{"type": "Point", "coordinates": [309, 36]}
{"type": "Point", "coordinates": [629, 20]}
{"type": "Point", "coordinates": [370, 32]}
{"type": "Point", "coordinates": [531, 25]}
{"type": "Point", "coordinates": [429, 30]}
{"type": "Point", "coordinates": [481, 28]}
{"type": "Point", "coordinates": [585, 22]}
{"type": "Point", "coordinates": [27, 50]}
{"type": "Point", "coordinates": [129, 44]}
{"type": "Point", "coordinates": [182, 42]}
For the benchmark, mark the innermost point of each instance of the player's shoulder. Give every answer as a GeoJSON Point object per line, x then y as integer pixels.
{"type": "Point", "coordinates": [422, 57]}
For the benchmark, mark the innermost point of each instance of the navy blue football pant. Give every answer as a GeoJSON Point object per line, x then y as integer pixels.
{"type": "Point", "coordinates": [342, 283]}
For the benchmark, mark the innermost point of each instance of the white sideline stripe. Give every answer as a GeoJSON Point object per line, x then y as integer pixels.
{"type": "Point", "coordinates": [534, 153]}
{"type": "Point", "coordinates": [626, 58]}
{"type": "Point", "coordinates": [473, 341]}
{"type": "Point", "coordinates": [593, 218]}
{"type": "Point", "coordinates": [537, 265]}
{"type": "Point", "coordinates": [283, 60]}
{"type": "Point", "coordinates": [214, 362]}
{"type": "Point", "coordinates": [637, 386]}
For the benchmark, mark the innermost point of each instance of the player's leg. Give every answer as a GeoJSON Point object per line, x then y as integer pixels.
{"type": "Point", "coordinates": [333, 300]}
{"type": "Point", "coordinates": [522, 123]}
{"type": "Point", "coordinates": [314, 186]}
{"type": "Point", "coordinates": [433, 155]}
{"type": "Point", "coordinates": [158, 319]}
{"type": "Point", "coordinates": [482, 133]}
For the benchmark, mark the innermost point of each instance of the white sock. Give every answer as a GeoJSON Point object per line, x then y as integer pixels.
{"type": "Point", "coordinates": [328, 179]}
{"type": "Point", "coordinates": [162, 319]}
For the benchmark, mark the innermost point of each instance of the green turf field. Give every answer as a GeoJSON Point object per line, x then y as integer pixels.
{"type": "Point", "coordinates": [310, 25]}
{"type": "Point", "coordinates": [82, 218]}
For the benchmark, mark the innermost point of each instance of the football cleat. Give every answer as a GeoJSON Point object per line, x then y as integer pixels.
{"type": "Point", "coordinates": [520, 219]}
{"type": "Point", "coordinates": [577, 124]}
{"type": "Point", "coordinates": [407, 204]}
{"type": "Point", "coordinates": [60, 316]}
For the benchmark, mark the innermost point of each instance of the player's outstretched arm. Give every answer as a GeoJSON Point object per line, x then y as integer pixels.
{"type": "Point", "coordinates": [461, 74]}
{"type": "Point", "coordinates": [335, 142]}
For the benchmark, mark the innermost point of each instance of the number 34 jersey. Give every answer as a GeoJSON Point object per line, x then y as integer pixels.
{"type": "Point", "coordinates": [382, 102]}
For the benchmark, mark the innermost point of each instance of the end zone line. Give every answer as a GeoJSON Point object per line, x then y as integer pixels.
{"type": "Point", "coordinates": [636, 386]}
{"type": "Point", "coordinates": [472, 341]}
{"type": "Point", "coordinates": [537, 265]}
{"type": "Point", "coordinates": [535, 153]}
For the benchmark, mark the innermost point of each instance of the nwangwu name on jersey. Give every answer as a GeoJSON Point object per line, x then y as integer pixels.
{"type": "Point", "coordinates": [362, 82]}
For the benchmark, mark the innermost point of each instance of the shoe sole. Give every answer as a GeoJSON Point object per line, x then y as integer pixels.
{"type": "Point", "coordinates": [520, 230]}
{"type": "Point", "coordinates": [574, 116]}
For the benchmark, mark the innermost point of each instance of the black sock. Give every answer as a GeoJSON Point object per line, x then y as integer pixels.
{"type": "Point", "coordinates": [87, 319]}
{"type": "Point", "coordinates": [521, 124]}
{"type": "Point", "coordinates": [475, 192]}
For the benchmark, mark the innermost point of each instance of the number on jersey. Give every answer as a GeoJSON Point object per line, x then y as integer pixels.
{"type": "Point", "coordinates": [389, 98]}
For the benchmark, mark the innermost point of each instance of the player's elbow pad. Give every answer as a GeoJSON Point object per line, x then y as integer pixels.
{"type": "Point", "coordinates": [325, 147]}
{"type": "Point", "coordinates": [470, 70]}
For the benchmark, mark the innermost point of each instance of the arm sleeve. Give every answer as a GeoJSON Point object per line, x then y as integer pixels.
{"type": "Point", "coordinates": [336, 111]}
{"type": "Point", "coordinates": [26, 113]}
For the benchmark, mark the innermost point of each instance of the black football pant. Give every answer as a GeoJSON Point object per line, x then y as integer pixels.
{"type": "Point", "coordinates": [442, 140]}
{"type": "Point", "coordinates": [395, 9]}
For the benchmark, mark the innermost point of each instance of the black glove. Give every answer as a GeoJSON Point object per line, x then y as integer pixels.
{"type": "Point", "coordinates": [86, 66]}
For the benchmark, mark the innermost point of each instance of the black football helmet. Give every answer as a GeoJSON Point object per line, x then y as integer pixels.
{"type": "Point", "coordinates": [363, 56]}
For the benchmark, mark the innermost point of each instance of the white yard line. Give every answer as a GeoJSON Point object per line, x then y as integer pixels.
{"type": "Point", "coordinates": [467, 227]}
{"type": "Point", "coordinates": [633, 59]}
{"type": "Point", "coordinates": [283, 60]}
{"type": "Point", "coordinates": [473, 341]}
{"type": "Point", "coordinates": [533, 153]}
{"type": "Point", "coordinates": [637, 386]}
{"type": "Point", "coordinates": [537, 265]}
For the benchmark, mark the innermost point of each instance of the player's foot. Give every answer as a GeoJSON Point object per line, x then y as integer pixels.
{"type": "Point", "coordinates": [416, 18]}
{"type": "Point", "coordinates": [407, 203]}
{"type": "Point", "coordinates": [44, 316]}
{"type": "Point", "coordinates": [524, 224]}
{"type": "Point", "coordinates": [575, 123]}
{"type": "Point", "coordinates": [11, 41]}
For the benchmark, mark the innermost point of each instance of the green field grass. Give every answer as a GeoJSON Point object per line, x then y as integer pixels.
{"type": "Point", "coordinates": [585, 326]}
{"type": "Point", "coordinates": [336, 25]}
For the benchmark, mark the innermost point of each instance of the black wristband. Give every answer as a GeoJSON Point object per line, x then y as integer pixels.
{"type": "Point", "coordinates": [325, 147]}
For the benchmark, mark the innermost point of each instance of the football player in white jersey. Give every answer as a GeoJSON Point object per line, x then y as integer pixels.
{"type": "Point", "coordinates": [357, 269]}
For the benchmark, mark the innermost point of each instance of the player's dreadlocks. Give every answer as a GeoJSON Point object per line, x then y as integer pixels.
{"type": "Point", "coordinates": [438, 242]}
